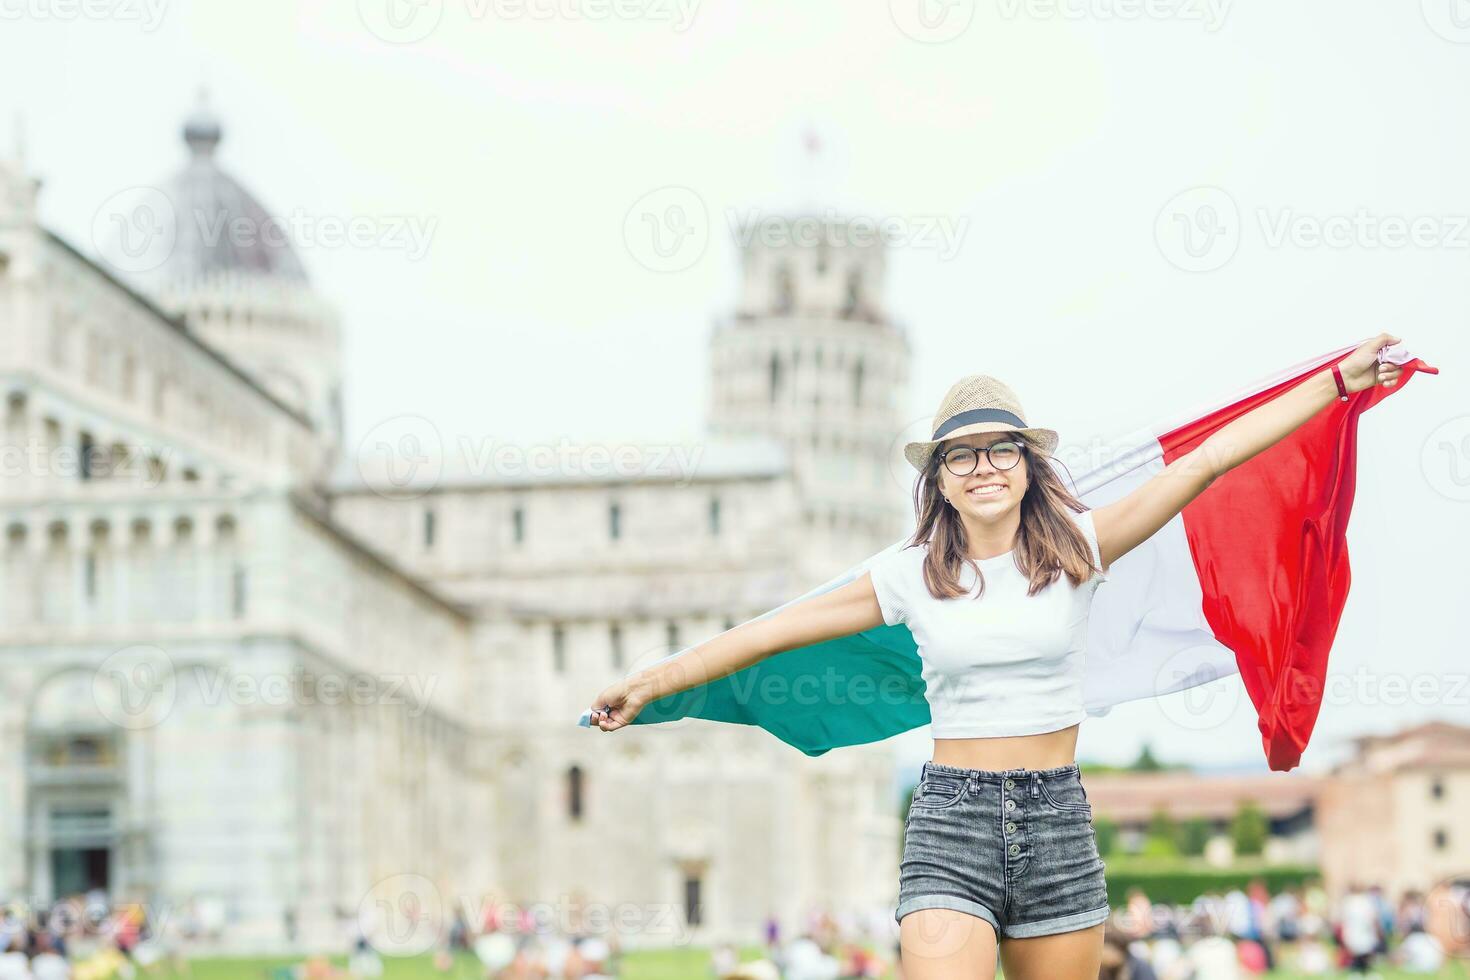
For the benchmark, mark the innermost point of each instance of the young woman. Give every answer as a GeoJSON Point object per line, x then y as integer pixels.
{"type": "Point", "coordinates": [1000, 860]}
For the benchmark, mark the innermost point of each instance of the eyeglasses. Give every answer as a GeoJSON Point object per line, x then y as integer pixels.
{"type": "Point", "coordinates": [962, 460]}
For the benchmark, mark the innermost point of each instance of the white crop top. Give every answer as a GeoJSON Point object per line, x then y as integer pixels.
{"type": "Point", "coordinates": [1001, 664]}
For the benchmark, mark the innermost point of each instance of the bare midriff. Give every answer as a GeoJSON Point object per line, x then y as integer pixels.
{"type": "Point", "coordinates": [1047, 750]}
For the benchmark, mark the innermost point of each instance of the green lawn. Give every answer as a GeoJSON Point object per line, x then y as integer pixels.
{"type": "Point", "coordinates": [668, 964]}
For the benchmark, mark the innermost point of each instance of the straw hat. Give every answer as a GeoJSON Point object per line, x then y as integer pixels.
{"type": "Point", "coordinates": [978, 403]}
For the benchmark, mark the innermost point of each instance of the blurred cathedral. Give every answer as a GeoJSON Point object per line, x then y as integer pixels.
{"type": "Point", "coordinates": [237, 675]}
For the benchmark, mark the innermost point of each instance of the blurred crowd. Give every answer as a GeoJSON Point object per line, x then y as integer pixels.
{"type": "Point", "coordinates": [1251, 931]}
{"type": "Point", "coordinates": [1229, 936]}
{"type": "Point", "coordinates": [1233, 935]}
{"type": "Point", "coordinates": [84, 937]}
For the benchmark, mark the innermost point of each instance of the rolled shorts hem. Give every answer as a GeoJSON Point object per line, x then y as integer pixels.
{"type": "Point", "coordinates": [952, 902]}
{"type": "Point", "coordinates": [1062, 923]}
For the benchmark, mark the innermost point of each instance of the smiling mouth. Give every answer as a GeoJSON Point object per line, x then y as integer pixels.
{"type": "Point", "coordinates": [991, 490]}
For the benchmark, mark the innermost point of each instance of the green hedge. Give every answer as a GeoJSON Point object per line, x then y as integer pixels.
{"type": "Point", "coordinates": [1182, 883]}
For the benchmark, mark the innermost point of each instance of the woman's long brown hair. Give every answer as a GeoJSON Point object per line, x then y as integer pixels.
{"type": "Point", "coordinates": [1048, 542]}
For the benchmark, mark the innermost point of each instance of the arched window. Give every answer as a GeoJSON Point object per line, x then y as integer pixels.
{"type": "Point", "coordinates": [574, 793]}
{"type": "Point", "coordinates": [854, 291]}
{"type": "Point", "coordinates": [615, 640]}
{"type": "Point", "coordinates": [785, 290]}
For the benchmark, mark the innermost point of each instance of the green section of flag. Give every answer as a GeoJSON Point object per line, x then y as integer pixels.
{"type": "Point", "coordinates": [848, 691]}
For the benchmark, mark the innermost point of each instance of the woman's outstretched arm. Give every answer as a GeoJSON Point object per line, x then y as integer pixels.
{"type": "Point", "coordinates": [851, 608]}
{"type": "Point", "coordinates": [1126, 523]}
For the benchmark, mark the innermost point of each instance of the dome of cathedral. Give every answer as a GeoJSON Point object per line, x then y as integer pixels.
{"type": "Point", "coordinates": [220, 228]}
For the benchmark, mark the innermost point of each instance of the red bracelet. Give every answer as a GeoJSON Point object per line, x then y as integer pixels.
{"type": "Point", "coordinates": [1341, 388]}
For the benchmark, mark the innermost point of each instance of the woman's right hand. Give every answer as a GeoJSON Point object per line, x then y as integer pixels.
{"type": "Point", "coordinates": [619, 704]}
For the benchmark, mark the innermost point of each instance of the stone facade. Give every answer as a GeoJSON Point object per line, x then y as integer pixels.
{"type": "Point", "coordinates": [236, 671]}
{"type": "Point", "coordinates": [1395, 813]}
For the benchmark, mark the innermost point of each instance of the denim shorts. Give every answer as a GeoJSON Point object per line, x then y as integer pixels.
{"type": "Point", "coordinates": [1015, 847]}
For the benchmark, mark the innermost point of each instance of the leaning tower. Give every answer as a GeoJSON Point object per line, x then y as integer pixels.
{"type": "Point", "coordinates": [811, 359]}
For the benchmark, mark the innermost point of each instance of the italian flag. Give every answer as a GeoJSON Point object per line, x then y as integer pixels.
{"type": "Point", "coordinates": [1250, 578]}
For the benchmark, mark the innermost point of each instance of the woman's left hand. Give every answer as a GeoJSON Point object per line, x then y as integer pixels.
{"type": "Point", "coordinates": [1361, 369]}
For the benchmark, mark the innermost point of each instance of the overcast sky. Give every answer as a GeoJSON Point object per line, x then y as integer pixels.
{"type": "Point", "coordinates": [1121, 208]}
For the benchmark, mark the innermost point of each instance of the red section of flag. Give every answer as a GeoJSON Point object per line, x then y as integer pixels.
{"type": "Point", "coordinates": [1269, 541]}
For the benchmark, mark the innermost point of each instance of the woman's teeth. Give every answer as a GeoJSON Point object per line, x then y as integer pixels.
{"type": "Point", "coordinates": [985, 491]}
